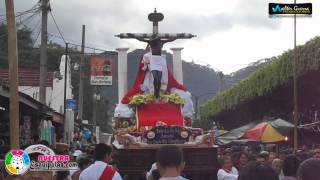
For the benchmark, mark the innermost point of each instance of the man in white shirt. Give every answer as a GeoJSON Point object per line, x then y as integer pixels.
{"type": "Point", "coordinates": [100, 170]}
{"type": "Point", "coordinates": [170, 163]}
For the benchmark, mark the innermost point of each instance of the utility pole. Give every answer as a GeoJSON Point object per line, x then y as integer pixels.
{"type": "Point", "coordinates": [295, 87]}
{"type": "Point", "coordinates": [80, 98]}
{"type": "Point", "coordinates": [13, 75]}
{"type": "Point", "coordinates": [43, 50]}
{"type": "Point", "coordinates": [220, 75]}
{"type": "Point", "coordinates": [196, 98]}
{"type": "Point", "coordinates": [65, 93]}
{"type": "Point", "coordinates": [96, 98]}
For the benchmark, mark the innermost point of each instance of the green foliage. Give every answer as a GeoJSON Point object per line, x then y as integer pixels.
{"type": "Point", "coordinates": [28, 54]}
{"type": "Point", "coordinates": [25, 44]}
{"type": "Point", "coordinates": [273, 75]}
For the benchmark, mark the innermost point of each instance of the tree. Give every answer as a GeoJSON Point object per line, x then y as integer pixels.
{"type": "Point", "coordinates": [25, 44]}
{"type": "Point", "coordinates": [29, 53]}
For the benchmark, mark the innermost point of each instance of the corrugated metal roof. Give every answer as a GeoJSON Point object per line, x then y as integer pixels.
{"type": "Point", "coordinates": [27, 77]}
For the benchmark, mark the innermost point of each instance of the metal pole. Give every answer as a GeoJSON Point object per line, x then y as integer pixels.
{"type": "Point", "coordinates": [43, 51]}
{"type": "Point", "coordinates": [80, 98]}
{"type": "Point", "coordinates": [13, 75]}
{"type": "Point", "coordinates": [196, 106]}
{"type": "Point", "coordinates": [295, 88]}
{"type": "Point", "coordinates": [196, 98]}
{"type": "Point", "coordinates": [65, 90]}
{"type": "Point", "coordinates": [220, 74]}
{"type": "Point", "coordinates": [95, 99]}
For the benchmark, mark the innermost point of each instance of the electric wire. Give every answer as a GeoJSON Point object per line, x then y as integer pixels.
{"type": "Point", "coordinates": [33, 9]}
{"type": "Point", "coordinates": [23, 22]}
{"type": "Point", "coordinates": [74, 42]}
{"type": "Point", "coordinates": [58, 28]}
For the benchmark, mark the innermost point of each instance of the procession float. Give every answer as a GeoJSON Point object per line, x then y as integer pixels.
{"type": "Point", "coordinates": [158, 110]}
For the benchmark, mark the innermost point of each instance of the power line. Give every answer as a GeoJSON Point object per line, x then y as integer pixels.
{"type": "Point", "coordinates": [64, 39]}
{"type": "Point", "coordinates": [88, 47]}
{"type": "Point", "coordinates": [24, 12]}
{"type": "Point", "coordinates": [74, 42]}
{"type": "Point", "coordinates": [23, 23]}
{"type": "Point", "coordinates": [57, 27]}
{"type": "Point", "coordinates": [33, 9]}
{"type": "Point", "coordinates": [28, 19]}
{"type": "Point", "coordinates": [35, 27]}
{"type": "Point", "coordinates": [34, 42]}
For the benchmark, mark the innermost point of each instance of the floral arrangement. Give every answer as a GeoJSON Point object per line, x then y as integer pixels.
{"type": "Point", "coordinates": [173, 98]}
{"type": "Point", "coordinates": [140, 99]}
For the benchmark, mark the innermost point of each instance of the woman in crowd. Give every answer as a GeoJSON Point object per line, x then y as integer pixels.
{"type": "Point", "coordinates": [277, 167]}
{"type": "Point", "coordinates": [243, 161]}
{"type": "Point", "coordinates": [227, 171]}
{"type": "Point", "coordinates": [272, 156]}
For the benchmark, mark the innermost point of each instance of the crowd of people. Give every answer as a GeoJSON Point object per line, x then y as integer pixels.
{"type": "Point", "coordinates": [95, 163]}
{"type": "Point", "coordinates": [168, 166]}
{"type": "Point", "coordinates": [268, 165]}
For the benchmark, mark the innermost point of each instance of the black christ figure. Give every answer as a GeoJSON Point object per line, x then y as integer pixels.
{"type": "Point", "coordinates": [156, 44]}
{"type": "Point", "coordinates": [157, 64]}
{"type": "Point", "coordinates": [156, 41]}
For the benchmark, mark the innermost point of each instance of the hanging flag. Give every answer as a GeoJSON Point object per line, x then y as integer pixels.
{"type": "Point", "coordinates": [101, 73]}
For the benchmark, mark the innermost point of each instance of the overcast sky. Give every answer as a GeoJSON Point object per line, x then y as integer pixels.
{"type": "Point", "coordinates": [230, 34]}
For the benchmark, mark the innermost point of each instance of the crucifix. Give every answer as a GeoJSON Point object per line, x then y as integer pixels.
{"type": "Point", "coordinates": [155, 39]}
{"type": "Point", "coordinates": [156, 63]}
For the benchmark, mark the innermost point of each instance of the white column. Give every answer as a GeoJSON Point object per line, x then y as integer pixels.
{"type": "Point", "coordinates": [177, 64]}
{"type": "Point", "coordinates": [122, 72]}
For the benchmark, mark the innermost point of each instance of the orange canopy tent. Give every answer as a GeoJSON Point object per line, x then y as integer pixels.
{"type": "Point", "coordinates": [264, 132]}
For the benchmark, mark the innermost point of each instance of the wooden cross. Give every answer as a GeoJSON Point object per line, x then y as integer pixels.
{"type": "Point", "coordinates": [155, 39]}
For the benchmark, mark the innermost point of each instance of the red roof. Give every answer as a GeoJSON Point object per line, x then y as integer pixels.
{"type": "Point", "coordinates": [27, 77]}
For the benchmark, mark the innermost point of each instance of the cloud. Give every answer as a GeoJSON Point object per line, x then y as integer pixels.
{"type": "Point", "coordinates": [104, 19]}
{"type": "Point", "coordinates": [216, 29]}
{"type": "Point", "coordinates": [247, 13]}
